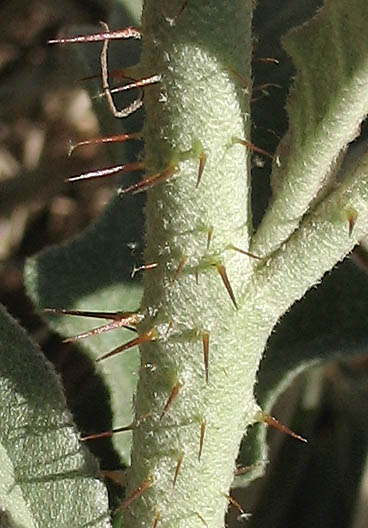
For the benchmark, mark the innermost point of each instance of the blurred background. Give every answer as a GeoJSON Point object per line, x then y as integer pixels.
{"type": "Point", "coordinates": [44, 107]}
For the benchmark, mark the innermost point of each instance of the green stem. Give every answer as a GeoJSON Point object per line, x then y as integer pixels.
{"type": "Point", "coordinates": [204, 295]}
{"type": "Point", "coordinates": [201, 104]}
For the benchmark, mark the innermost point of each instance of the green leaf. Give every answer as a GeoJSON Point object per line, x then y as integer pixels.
{"type": "Point", "coordinates": [328, 103]}
{"type": "Point", "coordinates": [47, 477]}
{"type": "Point", "coordinates": [93, 272]}
{"type": "Point", "coordinates": [329, 324]}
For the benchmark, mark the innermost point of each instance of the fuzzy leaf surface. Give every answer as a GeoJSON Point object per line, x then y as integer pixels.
{"type": "Point", "coordinates": [328, 103]}
{"type": "Point", "coordinates": [92, 272]}
{"type": "Point", "coordinates": [329, 324]}
{"type": "Point", "coordinates": [47, 477]}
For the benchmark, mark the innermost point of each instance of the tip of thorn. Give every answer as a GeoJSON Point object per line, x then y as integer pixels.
{"type": "Point", "coordinates": [225, 279]}
{"type": "Point", "coordinates": [71, 149]}
{"type": "Point", "coordinates": [273, 422]}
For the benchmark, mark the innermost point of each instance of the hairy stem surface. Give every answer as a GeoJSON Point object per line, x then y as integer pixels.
{"type": "Point", "coordinates": [193, 116]}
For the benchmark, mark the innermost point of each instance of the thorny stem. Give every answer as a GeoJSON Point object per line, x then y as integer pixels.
{"type": "Point", "coordinates": [212, 306]}
{"type": "Point", "coordinates": [209, 302]}
{"type": "Point", "coordinates": [191, 117]}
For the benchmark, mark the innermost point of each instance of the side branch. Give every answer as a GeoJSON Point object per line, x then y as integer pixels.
{"type": "Point", "coordinates": [327, 105]}
{"type": "Point", "coordinates": [323, 239]}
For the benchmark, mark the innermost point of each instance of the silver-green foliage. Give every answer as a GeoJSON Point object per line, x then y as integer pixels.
{"type": "Point", "coordinates": [316, 216]}
{"type": "Point", "coordinates": [47, 477]}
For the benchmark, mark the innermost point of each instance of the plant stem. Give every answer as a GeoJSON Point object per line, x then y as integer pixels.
{"type": "Point", "coordinates": [202, 103]}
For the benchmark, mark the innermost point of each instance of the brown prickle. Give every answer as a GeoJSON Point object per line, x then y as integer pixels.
{"type": "Point", "coordinates": [97, 331]}
{"type": "Point", "coordinates": [177, 469]}
{"type": "Point", "coordinates": [270, 60]}
{"type": "Point", "coordinates": [136, 494]}
{"type": "Point", "coordinates": [108, 171]}
{"type": "Point", "coordinates": [144, 267]}
{"type": "Point", "coordinates": [253, 147]}
{"type": "Point", "coordinates": [273, 422]}
{"type": "Point", "coordinates": [240, 77]}
{"type": "Point", "coordinates": [263, 87]}
{"type": "Point", "coordinates": [201, 518]}
{"type": "Point", "coordinates": [209, 236]}
{"type": "Point", "coordinates": [352, 218]}
{"type": "Point", "coordinates": [148, 336]}
{"type": "Point", "coordinates": [133, 317]}
{"type": "Point", "coordinates": [116, 138]}
{"type": "Point", "coordinates": [202, 164]}
{"type": "Point", "coordinates": [96, 436]}
{"type": "Point", "coordinates": [107, 434]}
{"type": "Point", "coordinates": [242, 471]}
{"type": "Point", "coordinates": [173, 395]}
{"type": "Point", "coordinates": [127, 320]}
{"type": "Point", "coordinates": [206, 350]}
{"type": "Point", "coordinates": [225, 279]}
{"type": "Point", "coordinates": [196, 276]}
{"type": "Point", "coordinates": [235, 503]}
{"type": "Point", "coordinates": [117, 34]}
{"type": "Point", "coordinates": [156, 520]}
{"type": "Point", "coordinates": [247, 253]}
{"type": "Point", "coordinates": [139, 83]}
{"type": "Point", "coordinates": [201, 439]}
{"type": "Point", "coordinates": [150, 181]}
{"type": "Point", "coordinates": [180, 267]}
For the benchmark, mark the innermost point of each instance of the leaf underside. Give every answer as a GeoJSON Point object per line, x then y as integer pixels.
{"type": "Point", "coordinates": [47, 477]}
